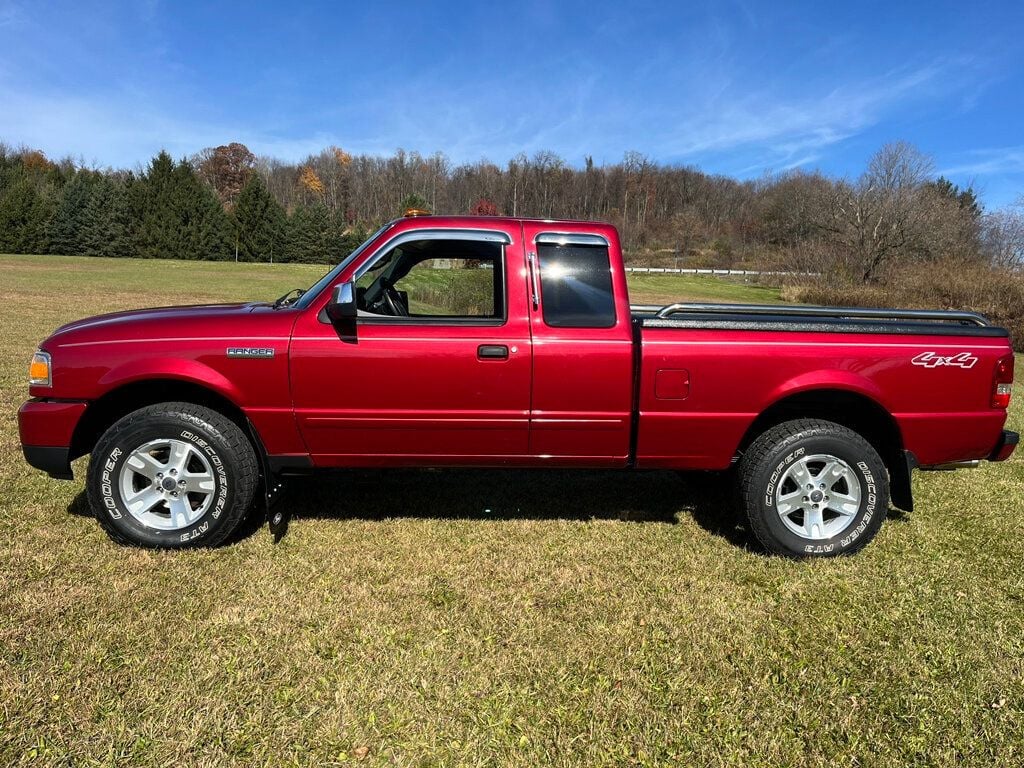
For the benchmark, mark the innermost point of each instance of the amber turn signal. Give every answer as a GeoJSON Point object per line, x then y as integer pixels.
{"type": "Point", "coordinates": [39, 369]}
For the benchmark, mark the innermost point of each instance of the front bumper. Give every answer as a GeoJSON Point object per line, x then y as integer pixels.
{"type": "Point", "coordinates": [46, 428]}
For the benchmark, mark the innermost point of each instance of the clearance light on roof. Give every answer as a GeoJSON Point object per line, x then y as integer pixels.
{"type": "Point", "coordinates": [1002, 384]}
{"type": "Point", "coordinates": [413, 212]}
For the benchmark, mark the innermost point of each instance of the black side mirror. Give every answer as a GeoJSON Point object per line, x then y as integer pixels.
{"type": "Point", "coordinates": [342, 305]}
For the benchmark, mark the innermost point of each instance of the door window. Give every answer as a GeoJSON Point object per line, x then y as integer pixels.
{"type": "Point", "coordinates": [435, 279]}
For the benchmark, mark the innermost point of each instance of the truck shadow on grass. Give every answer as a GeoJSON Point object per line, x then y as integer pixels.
{"type": "Point", "coordinates": [642, 497]}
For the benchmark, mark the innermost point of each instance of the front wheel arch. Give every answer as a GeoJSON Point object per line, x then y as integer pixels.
{"type": "Point", "coordinates": [103, 412]}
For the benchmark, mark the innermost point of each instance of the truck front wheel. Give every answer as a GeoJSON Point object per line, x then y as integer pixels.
{"type": "Point", "coordinates": [172, 476]}
{"type": "Point", "coordinates": [812, 488]}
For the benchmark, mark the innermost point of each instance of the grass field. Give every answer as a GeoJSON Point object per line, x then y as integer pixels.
{"type": "Point", "coordinates": [491, 618]}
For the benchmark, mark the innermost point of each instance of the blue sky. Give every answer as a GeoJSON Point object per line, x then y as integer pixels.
{"type": "Point", "coordinates": [740, 88]}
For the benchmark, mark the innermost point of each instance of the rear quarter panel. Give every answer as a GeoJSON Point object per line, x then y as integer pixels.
{"type": "Point", "coordinates": [943, 412]}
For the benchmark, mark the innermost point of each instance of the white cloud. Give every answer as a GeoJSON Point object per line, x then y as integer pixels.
{"type": "Point", "coordinates": [988, 162]}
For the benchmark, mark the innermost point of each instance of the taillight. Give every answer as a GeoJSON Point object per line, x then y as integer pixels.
{"type": "Point", "coordinates": [1002, 384]}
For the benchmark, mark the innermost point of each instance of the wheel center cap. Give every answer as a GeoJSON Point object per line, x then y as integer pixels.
{"type": "Point", "coordinates": [168, 483]}
{"type": "Point", "coordinates": [817, 496]}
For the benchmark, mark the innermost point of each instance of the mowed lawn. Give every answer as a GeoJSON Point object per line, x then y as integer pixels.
{"type": "Point", "coordinates": [490, 618]}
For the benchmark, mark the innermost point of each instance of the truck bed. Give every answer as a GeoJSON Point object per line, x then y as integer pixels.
{"type": "Point", "coordinates": [815, 319]}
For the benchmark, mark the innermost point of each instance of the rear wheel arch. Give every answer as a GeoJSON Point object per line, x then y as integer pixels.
{"type": "Point", "coordinates": [853, 410]}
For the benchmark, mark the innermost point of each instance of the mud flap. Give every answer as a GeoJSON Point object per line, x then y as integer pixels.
{"type": "Point", "coordinates": [277, 517]}
{"type": "Point", "coordinates": [900, 492]}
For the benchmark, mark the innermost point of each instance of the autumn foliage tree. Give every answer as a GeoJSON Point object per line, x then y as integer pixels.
{"type": "Point", "coordinates": [225, 168]}
{"type": "Point", "coordinates": [311, 183]}
{"type": "Point", "coordinates": [484, 207]}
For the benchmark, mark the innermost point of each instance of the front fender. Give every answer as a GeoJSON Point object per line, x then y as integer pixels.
{"type": "Point", "coordinates": [176, 369]}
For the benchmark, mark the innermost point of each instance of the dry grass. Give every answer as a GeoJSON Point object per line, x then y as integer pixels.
{"type": "Point", "coordinates": [490, 618]}
{"type": "Point", "coordinates": [996, 293]}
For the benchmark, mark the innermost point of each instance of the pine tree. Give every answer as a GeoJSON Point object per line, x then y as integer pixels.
{"type": "Point", "coordinates": [24, 213]}
{"type": "Point", "coordinates": [159, 235]}
{"type": "Point", "coordinates": [70, 218]}
{"type": "Point", "coordinates": [181, 217]}
{"type": "Point", "coordinates": [259, 223]}
{"type": "Point", "coordinates": [103, 231]}
{"type": "Point", "coordinates": [205, 231]}
{"type": "Point", "coordinates": [309, 230]}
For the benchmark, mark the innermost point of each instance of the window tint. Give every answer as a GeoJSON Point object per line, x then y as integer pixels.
{"type": "Point", "coordinates": [576, 286]}
{"type": "Point", "coordinates": [435, 279]}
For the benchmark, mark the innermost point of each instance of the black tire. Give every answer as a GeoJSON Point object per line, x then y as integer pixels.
{"type": "Point", "coordinates": [220, 445]}
{"type": "Point", "coordinates": [766, 472]}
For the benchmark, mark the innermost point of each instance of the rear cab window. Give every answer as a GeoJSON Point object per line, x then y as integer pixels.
{"type": "Point", "coordinates": [576, 281]}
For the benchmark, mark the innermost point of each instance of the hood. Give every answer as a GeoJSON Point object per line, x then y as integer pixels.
{"type": "Point", "coordinates": [160, 322]}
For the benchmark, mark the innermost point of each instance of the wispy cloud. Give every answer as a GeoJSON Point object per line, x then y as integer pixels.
{"type": "Point", "coordinates": [766, 129]}
{"type": "Point", "coordinates": [679, 86]}
{"type": "Point", "coordinates": [987, 162]}
{"type": "Point", "coordinates": [11, 14]}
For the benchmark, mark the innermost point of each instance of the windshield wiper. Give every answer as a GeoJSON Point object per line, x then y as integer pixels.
{"type": "Point", "coordinates": [289, 298]}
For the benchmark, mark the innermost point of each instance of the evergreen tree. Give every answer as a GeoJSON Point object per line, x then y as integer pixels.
{"type": "Point", "coordinates": [345, 239]}
{"type": "Point", "coordinates": [24, 213]}
{"type": "Point", "coordinates": [159, 235]}
{"type": "Point", "coordinates": [106, 225]}
{"type": "Point", "coordinates": [181, 218]}
{"type": "Point", "coordinates": [70, 218]}
{"type": "Point", "coordinates": [205, 231]}
{"type": "Point", "coordinates": [309, 230]}
{"type": "Point", "coordinates": [259, 223]}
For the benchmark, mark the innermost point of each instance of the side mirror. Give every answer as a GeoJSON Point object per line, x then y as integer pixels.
{"type": "Point", "coordinates": [342, 305]}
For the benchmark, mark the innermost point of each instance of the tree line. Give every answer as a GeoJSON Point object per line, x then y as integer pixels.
{"type": "Point", "coordinates": [226, 203]}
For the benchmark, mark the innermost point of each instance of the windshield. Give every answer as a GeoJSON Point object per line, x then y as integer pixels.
{"type": "Point", "coordinates": [307, 298]}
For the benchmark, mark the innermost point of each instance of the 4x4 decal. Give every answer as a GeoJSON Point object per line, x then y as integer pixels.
{"type": "Point", "coordinates": [932, 360]}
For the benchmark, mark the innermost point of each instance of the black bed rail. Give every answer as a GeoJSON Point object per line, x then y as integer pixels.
{"type": "Point", "coordinates": [788, 310]}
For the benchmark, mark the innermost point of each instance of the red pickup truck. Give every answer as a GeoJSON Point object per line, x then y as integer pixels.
{"type": "Point", "coordinates": [499, 342]}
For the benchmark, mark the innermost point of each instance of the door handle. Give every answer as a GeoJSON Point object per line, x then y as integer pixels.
{"type": "Point", "coordinates": [492, 352]}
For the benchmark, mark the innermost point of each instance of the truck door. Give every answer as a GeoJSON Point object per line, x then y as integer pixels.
{"type": "Point", "coordinates": [436, 368]}
{"type": "Point", "coordinates": [582, 345]}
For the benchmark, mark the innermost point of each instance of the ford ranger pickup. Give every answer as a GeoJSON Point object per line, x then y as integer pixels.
{"type": "Point", "coordinates": [501, 342]}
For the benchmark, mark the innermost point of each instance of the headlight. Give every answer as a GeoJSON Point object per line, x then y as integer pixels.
{"type": "Point", "coordinates": [39, 370]}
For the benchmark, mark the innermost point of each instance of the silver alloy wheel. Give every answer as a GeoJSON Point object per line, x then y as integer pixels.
{"type": "Point", "coordinates": [167, 484]}
{"type": "Point", "coordinates": [818, 497]}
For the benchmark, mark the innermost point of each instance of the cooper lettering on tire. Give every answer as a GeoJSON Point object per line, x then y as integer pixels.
{"type": "Point", "coordinates": [172, 475]}
{"type": "Point", "coordinates": [812, 488]}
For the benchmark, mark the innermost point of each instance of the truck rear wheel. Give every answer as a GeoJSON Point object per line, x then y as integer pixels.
{"type": "Point", "coordinates": [812, 488]}
{"type": "Point", "coordinates": [172, 476]}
